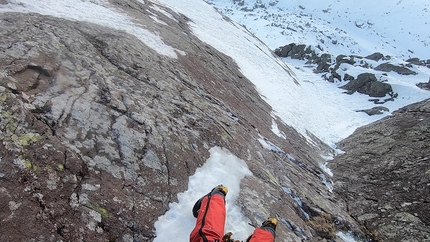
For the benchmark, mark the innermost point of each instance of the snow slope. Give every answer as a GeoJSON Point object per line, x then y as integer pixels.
{"type": "Point", "coordinates": [301, 99]}
{"type": "Point", "coordinates": [398, 28]}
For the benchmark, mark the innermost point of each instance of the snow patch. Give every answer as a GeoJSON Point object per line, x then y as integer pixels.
{"type": "Point", "coordinates": [276, 130]}
{"type": "Point", "coordinates": [346, 237]}
{"type": "Point", "coordinates": [98, 12]}
{"type": "Point", "coordinates": [270, 146]}
{"type": "Point", "coordinates": [222, 167]}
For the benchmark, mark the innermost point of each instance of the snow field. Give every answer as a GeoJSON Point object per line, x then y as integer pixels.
{"type": "Point", "coordinates": [396, 28]}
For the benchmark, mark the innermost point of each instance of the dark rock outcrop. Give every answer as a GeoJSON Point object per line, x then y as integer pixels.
{"type": "Point", "coordinates": [384, 175]}
{"type": "Point", "coordinates": [416, 61]}
{"type": "Point", "coordinates": [377, 57]}
{"type": "Point", "coordinates": [294, 51]}
{"type": "Point", "coordinates": [424, 85]}
{"type": "Point", "coordinates": [323, 63]}
{"type": "Point", "coordinates": [375, 110]}
{"type": "Point", "coordinates": [401, 70]}
{"type": "Point", "coordinates": [366, 83]}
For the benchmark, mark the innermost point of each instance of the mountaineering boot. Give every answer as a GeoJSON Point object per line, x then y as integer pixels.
{"type": "Point", "coordinates": [220, 189]}
{"type": "Point", "coordinates": [227, 238]}
{"type": "Point", "coordinates": [265, 233]}
{"type": "Point", "coordinates": [271, 222]}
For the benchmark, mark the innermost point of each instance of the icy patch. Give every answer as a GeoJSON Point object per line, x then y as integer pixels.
{"type": "Point", "coordinates": [222, 167]}
{"type": "Point", "coordinates": [327, 182]}
{"type": "Point", "coordinates": [297, 200]}
{"type": "Point", "coordinates": [158, 9]}
{"type": "Point", "coordinates": [348, 237]}
{"type": "Point", "coordinates": [97, 12]}
{"type": "Point", "coordinates": [276, 130]}
{"type": "Point", "coordinates": [270, 146]}
{"type": "Point", "coordinates": [154, 17]}
{"type": "Point", "coordinates": [324, 168]}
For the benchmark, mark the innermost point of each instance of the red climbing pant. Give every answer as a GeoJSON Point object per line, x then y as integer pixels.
{"type": "Point", "coordinates": [262, 235]}
{"type": "Point", "coordinates": [211, 220]}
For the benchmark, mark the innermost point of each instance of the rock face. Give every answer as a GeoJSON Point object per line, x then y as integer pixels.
{"type": "Point", "coordinates": [100, 132]}
{"type": "Point", "coordinates": [384, 175]}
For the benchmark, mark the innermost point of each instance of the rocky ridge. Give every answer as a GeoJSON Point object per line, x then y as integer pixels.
{"type": "Point", "coordinates": [384, 175]}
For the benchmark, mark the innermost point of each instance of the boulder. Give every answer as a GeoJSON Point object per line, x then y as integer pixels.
{"type": "Point", "coordinates": [416, 61]}
{"type": "Point", "coordinates": [366, 83]}
{"type": "Point", "coordinates": [283, 51]}
{"type": "Point", "coordinates": [292, 50]}
{"type": "Point", "coordinates": [334, 75]}
{"type": "Point", "coordinates": [424, 85]}
{"type": "Point", "coordinates": [322, 67]}
{"type": "Point", "coordinates": [375, 56]}
{"type": "Point", "coordinates": [375, 110]}
{"type": "Point", "coordinates": [340, 59]}
{"type": "Point", "coordinates": [401, 70]}
{"type": "Point", "coordinates": [348, 77]}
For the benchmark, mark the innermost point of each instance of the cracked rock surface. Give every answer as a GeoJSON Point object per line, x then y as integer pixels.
{"type": "Point", "coordinates": [100, 132]}
{"type": "Point", "coordinates": [384, 176]}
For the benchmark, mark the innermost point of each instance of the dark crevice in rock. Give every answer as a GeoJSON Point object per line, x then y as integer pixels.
{"type": "Point", "coordinates": [40, 69]}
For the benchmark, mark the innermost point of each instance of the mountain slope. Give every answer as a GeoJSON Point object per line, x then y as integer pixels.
{"type": "Point", "coordinates": [330, 28]}
{"type": "Point", "coordinates": [101, 128]}
{"type": "Point", "coordinates": [111, 112]}
{"type": "Point", "coordinates": [396, 28]}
